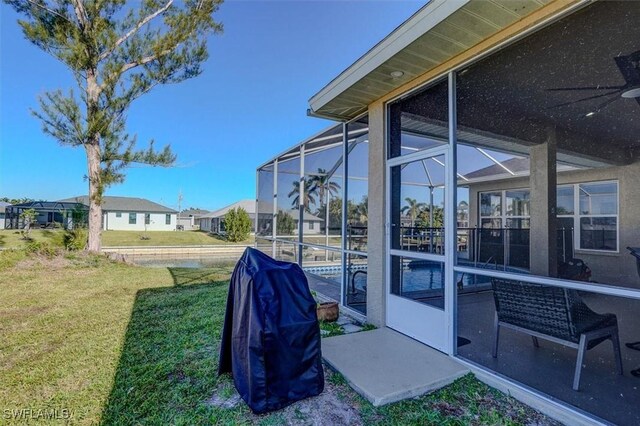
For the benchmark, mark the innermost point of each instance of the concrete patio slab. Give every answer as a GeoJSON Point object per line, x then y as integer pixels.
{"type": "Point", "coordinates": [385, 366]}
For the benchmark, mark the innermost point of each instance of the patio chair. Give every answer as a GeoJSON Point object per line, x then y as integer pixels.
{"type": "Point", "coordinates": [554, 314]}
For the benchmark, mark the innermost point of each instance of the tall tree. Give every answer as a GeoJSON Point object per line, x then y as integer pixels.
{"type": "Point", "coordinates": [117, 51]}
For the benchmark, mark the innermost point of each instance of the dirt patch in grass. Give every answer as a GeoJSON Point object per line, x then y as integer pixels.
{"type": "Point", "coordinates": [52, 263]}
{"type": "Point", "coordinates": [335, 406]}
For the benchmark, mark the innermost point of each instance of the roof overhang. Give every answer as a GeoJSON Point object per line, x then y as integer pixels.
{"type": "Point", "coordinates": [437, 33]}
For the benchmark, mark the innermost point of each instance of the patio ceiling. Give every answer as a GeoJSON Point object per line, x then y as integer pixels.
{"type": "Point", "coordinates": [552, 84]}
{"type": "Point", "coordinates": [436, 33]}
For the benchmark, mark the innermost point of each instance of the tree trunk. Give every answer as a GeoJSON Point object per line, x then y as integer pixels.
{"type": "Point", "coordinates": [92, 147]}
{"type": "Point", "coordinates": [95, 206]}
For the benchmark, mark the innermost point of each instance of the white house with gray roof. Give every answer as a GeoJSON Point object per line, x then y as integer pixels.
{"type": "Point", "coordinates": [132, 214]}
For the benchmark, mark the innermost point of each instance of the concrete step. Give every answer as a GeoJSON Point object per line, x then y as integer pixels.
{"type": "Point", "coordinates": [385, 366]}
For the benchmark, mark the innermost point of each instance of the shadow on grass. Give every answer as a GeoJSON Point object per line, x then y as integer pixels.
{"type": "Point", "coordinates": [190, 276]}
{"type": "Point", "coordinates": [167, 367]}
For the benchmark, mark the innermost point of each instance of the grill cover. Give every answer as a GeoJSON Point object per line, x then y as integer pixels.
{"type": "Point", "coordinates": [271, 336]}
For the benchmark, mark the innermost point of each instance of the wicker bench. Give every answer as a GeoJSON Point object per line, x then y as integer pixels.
{"type": "Point", "coordinates": [554, 314]}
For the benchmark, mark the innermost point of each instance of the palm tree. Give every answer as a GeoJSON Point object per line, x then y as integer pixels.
{"type": "Point", "coordinates": [412, 209]}
{"type": "Point", "coordinates": [309, 197]}
{"type": "Point", "coordinates": [322, 185]}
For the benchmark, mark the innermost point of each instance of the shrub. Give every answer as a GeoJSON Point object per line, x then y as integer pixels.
{"type": "Point", "coordinates": [43, 248]}
{"type": "Point", "coordinates": [285, 223]}
{"type": "Point", "coordinates": [237, 224]}
{"type": "Point", "coordinates": [75, 239]}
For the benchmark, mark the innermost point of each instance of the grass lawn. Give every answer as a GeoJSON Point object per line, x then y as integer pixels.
{"type": "Point", "coordinates": [117, 344]}
{"type": "Point", "coordinates": [10, 238]}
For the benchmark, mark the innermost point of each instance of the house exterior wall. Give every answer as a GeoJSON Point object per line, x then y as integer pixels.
{"type": "Point", "coordinates": [158, 222]}
{"type": "Point", "coordinates": [2, 220]}
{"type": "Point", "coordinates": [607, 267]}
{"type": "Point", "coordinates": [306, 228]}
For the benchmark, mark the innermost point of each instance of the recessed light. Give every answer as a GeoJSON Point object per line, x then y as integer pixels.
{"type": "Point", "coordinates": [396, 74]}
{"type": "Point", "coordinates": [590, 114]}
{"type": "Point", "coordinates": [631, 93]}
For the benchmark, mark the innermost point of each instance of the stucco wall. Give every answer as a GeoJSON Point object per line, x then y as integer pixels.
{"type": "Point", "coordinates": [613, 268]}
{"type": "Point", "coordinates": [113, 223]}
{"type": "Point", "coordinates": [376, 259]}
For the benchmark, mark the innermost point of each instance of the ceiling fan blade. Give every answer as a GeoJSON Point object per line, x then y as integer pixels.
{"type": "Point", "coordinates": [583, 99]}
{"type": "Point", "coordinates": [606, 103]}
{"type": "Point", "coordinates": [628, 68]}
{"type": "Point", "coordinates": [561, 89]}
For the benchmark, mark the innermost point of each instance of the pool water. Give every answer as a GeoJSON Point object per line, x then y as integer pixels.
{"type": "Point", "coordinates": [427, 276]}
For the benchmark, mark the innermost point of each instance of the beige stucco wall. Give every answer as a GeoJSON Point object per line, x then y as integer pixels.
{"type": "Point", "coordinates": [376, 246]}
{"type": "Point", "coordinates": [614, 268]}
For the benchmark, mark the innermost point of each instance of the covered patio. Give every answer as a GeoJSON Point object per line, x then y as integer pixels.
{"type": "Point", "coordinates": [506, 162]}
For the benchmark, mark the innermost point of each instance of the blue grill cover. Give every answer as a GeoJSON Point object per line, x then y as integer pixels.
{"type": "Point", "coordinates": [271, 336]}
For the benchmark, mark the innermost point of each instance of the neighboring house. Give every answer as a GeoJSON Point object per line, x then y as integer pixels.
{"type": "Point", "coordinates": [214, 222]}
{"type": "Point", "coordinates": [529, 112]}
{"type": "Point", "coordinates": [132, 214]}
{"type": "Point", "coordinates": [3, 206]}
{"type": "Point", "coordinates": [188, 219]}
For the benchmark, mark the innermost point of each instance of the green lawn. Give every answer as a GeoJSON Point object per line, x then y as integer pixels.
{"type": "Point", "coordinates": [13, 239]}
{"type": "Point", "coordinates": [117, 344]}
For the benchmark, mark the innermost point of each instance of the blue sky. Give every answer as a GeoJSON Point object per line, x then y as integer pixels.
{"type": "Point", "coordinates": [248, 105]}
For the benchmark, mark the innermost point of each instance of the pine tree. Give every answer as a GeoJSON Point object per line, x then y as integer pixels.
{"type": "Point", "coordinates": [117, 51]}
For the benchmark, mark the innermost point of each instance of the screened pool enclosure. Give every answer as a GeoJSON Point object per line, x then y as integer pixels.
{"type": "Point", "coordinates": [302, 217]}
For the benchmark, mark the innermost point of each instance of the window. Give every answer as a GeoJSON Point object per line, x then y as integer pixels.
{"type": "Point", "coordinates": [598, 214]}
{"type": "Point", "coordinates": [311, 225]}
{"type": "Point", "coordinates": [147, 218]}
{"type": "Point", "coordinates": [592, 214]}
{"type": "Point", "coordinates": [118, 214]}
{"type": "Point", "coordinates": [132, 219]}
{"type": "Point", "coordinates": [167, 219]}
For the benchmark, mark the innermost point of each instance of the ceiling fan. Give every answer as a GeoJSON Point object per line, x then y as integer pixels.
{"type": "Point", "coordinates": [629, 67]}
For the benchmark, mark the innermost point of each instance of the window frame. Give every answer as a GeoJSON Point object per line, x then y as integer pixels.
{"type": "Point", "coordinates": [118, 214]}
{"type": "Point", "coordinates": [133, 218]}
{"type": "Point", "coordinates": [578, 215]}
{"type": "Point", "coordinates": [147, 218]}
